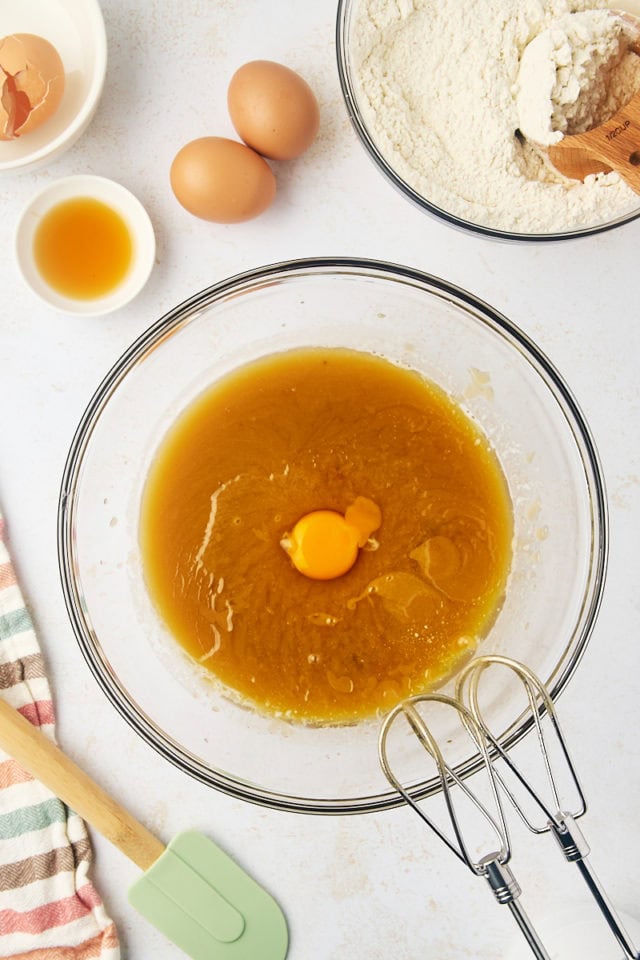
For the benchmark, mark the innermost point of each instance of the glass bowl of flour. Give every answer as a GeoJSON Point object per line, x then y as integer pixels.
{"type": "Point", "coordinates": [435, 92]}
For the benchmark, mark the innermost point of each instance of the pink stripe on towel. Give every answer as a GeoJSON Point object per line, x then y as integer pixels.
{"type": "Point", "coordinates": [48, 915]}
{"type": "Point", "coordinates": [39, 713]}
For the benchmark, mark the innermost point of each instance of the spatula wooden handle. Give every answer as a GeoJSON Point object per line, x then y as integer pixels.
{"type": "Point", "coordinates": [48, 764]}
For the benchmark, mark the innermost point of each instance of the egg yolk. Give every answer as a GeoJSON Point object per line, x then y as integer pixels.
{"type": "Point", "coordinates": [324, 544]}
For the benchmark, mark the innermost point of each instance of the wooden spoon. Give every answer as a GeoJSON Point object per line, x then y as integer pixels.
{"type": "Point", "coordinates": [614, 145]}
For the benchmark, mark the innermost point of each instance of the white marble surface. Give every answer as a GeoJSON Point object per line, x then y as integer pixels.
{"type": "Point", "coordinates": [362, 888]}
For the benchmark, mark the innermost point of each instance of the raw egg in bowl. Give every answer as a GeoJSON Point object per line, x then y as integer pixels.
{"type": "Point", "coordinates": [354, 477]}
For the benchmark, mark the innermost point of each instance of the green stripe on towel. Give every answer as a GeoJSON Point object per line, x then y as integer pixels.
{"type": "Point", "coordinates": [36, 817]}
{"type": "Point", "coordinates": [16, 621]}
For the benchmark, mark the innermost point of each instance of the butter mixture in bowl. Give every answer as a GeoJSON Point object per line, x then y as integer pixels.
{"type": "Point", "coordinates": [316, 429]}
{"type": "Point", "coordinates": [309, 490]}
{"type": "Point", "coordinates": [438, 91]}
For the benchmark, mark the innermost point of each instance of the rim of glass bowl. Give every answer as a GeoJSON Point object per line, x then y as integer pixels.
{"type": "Point", "coordinates": [357, 121]}
{"type": "Point", "coordinates": [180, 316]}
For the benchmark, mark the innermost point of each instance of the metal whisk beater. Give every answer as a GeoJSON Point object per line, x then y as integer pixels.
{"type": "Point", "coordinates": [560, 823]}
{"type": "Point", "coordinates": [493, 866]}
{"type": "Point", "coordinates": [555, 820]}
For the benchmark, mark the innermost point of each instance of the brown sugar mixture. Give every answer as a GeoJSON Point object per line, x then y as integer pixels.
{"type": "Point", "coordinates": [313, 432]}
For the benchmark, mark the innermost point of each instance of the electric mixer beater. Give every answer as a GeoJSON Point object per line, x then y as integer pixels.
{"type": "Point", "coordinates": [553, 819]}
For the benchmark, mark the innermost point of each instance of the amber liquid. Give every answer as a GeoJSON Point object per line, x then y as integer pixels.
{"type": "Point", "coordinates": [83, 248]}
{"type": "Point", "coordinates": [314, 429]}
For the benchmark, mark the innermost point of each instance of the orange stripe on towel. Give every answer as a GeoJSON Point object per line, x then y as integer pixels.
{"type": "Point", "coordinates": [11, 773]}
{"type": "Point", "coordinates": [84, 951]}
{"type": "Point", "coordinates": [7, 576]}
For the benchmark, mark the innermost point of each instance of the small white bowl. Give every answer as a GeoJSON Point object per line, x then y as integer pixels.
{"type": "Point", "coordinates": [119, 199]}
{"type": "Point", "coordinates": [76, 29]}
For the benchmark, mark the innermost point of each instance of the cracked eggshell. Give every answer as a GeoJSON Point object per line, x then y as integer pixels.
{"type": "Point", "coordinates": [32, 83]}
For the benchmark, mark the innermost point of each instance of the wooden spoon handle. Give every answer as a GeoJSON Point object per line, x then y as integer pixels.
{"type": "Point", "coordinates": [42, 758]}
{"type": "Point", "coordinates": [615, 145]}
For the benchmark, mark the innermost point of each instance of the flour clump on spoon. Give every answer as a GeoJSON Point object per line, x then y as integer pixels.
{"type": "Point", "coordinates": [575, 75]}
{"type": "Point", "coordinates": [437, 82]}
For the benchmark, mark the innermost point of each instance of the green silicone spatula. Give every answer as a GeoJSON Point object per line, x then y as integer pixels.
{"type": "Point", "coordinates": [190, 890]}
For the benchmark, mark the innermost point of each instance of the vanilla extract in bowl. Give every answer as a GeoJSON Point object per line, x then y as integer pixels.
{"type": "Point", "coordinates": [83, 248]}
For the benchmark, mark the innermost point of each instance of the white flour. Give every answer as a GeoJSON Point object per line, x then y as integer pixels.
{"type": "Point", "coordinates": [437, 84]}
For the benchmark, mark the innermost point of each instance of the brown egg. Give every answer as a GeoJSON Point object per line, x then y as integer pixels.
{"type": "Point", "coordinates": [273, 109]}
{"type": "Point", "coordinates": [222, 180]}
{"type": "Point", "coordinates": [31, 83]}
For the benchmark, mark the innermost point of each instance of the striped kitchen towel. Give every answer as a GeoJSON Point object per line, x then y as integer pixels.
{"type": "Point", "coordinates": [49, 909]}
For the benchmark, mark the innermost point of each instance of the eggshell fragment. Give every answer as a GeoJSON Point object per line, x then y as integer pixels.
{"type": "Point", "coordinates": [273, 109]}
{"type": "Point", "coordinates": [31, 83]}
{"type": "Point", "coordinates": [222, 180]}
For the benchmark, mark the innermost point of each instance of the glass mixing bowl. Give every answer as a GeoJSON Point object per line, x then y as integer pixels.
{"type": "Point", "coordinates": [482, 360]}
{"type": "Point", "coordinates": [348, 34]}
